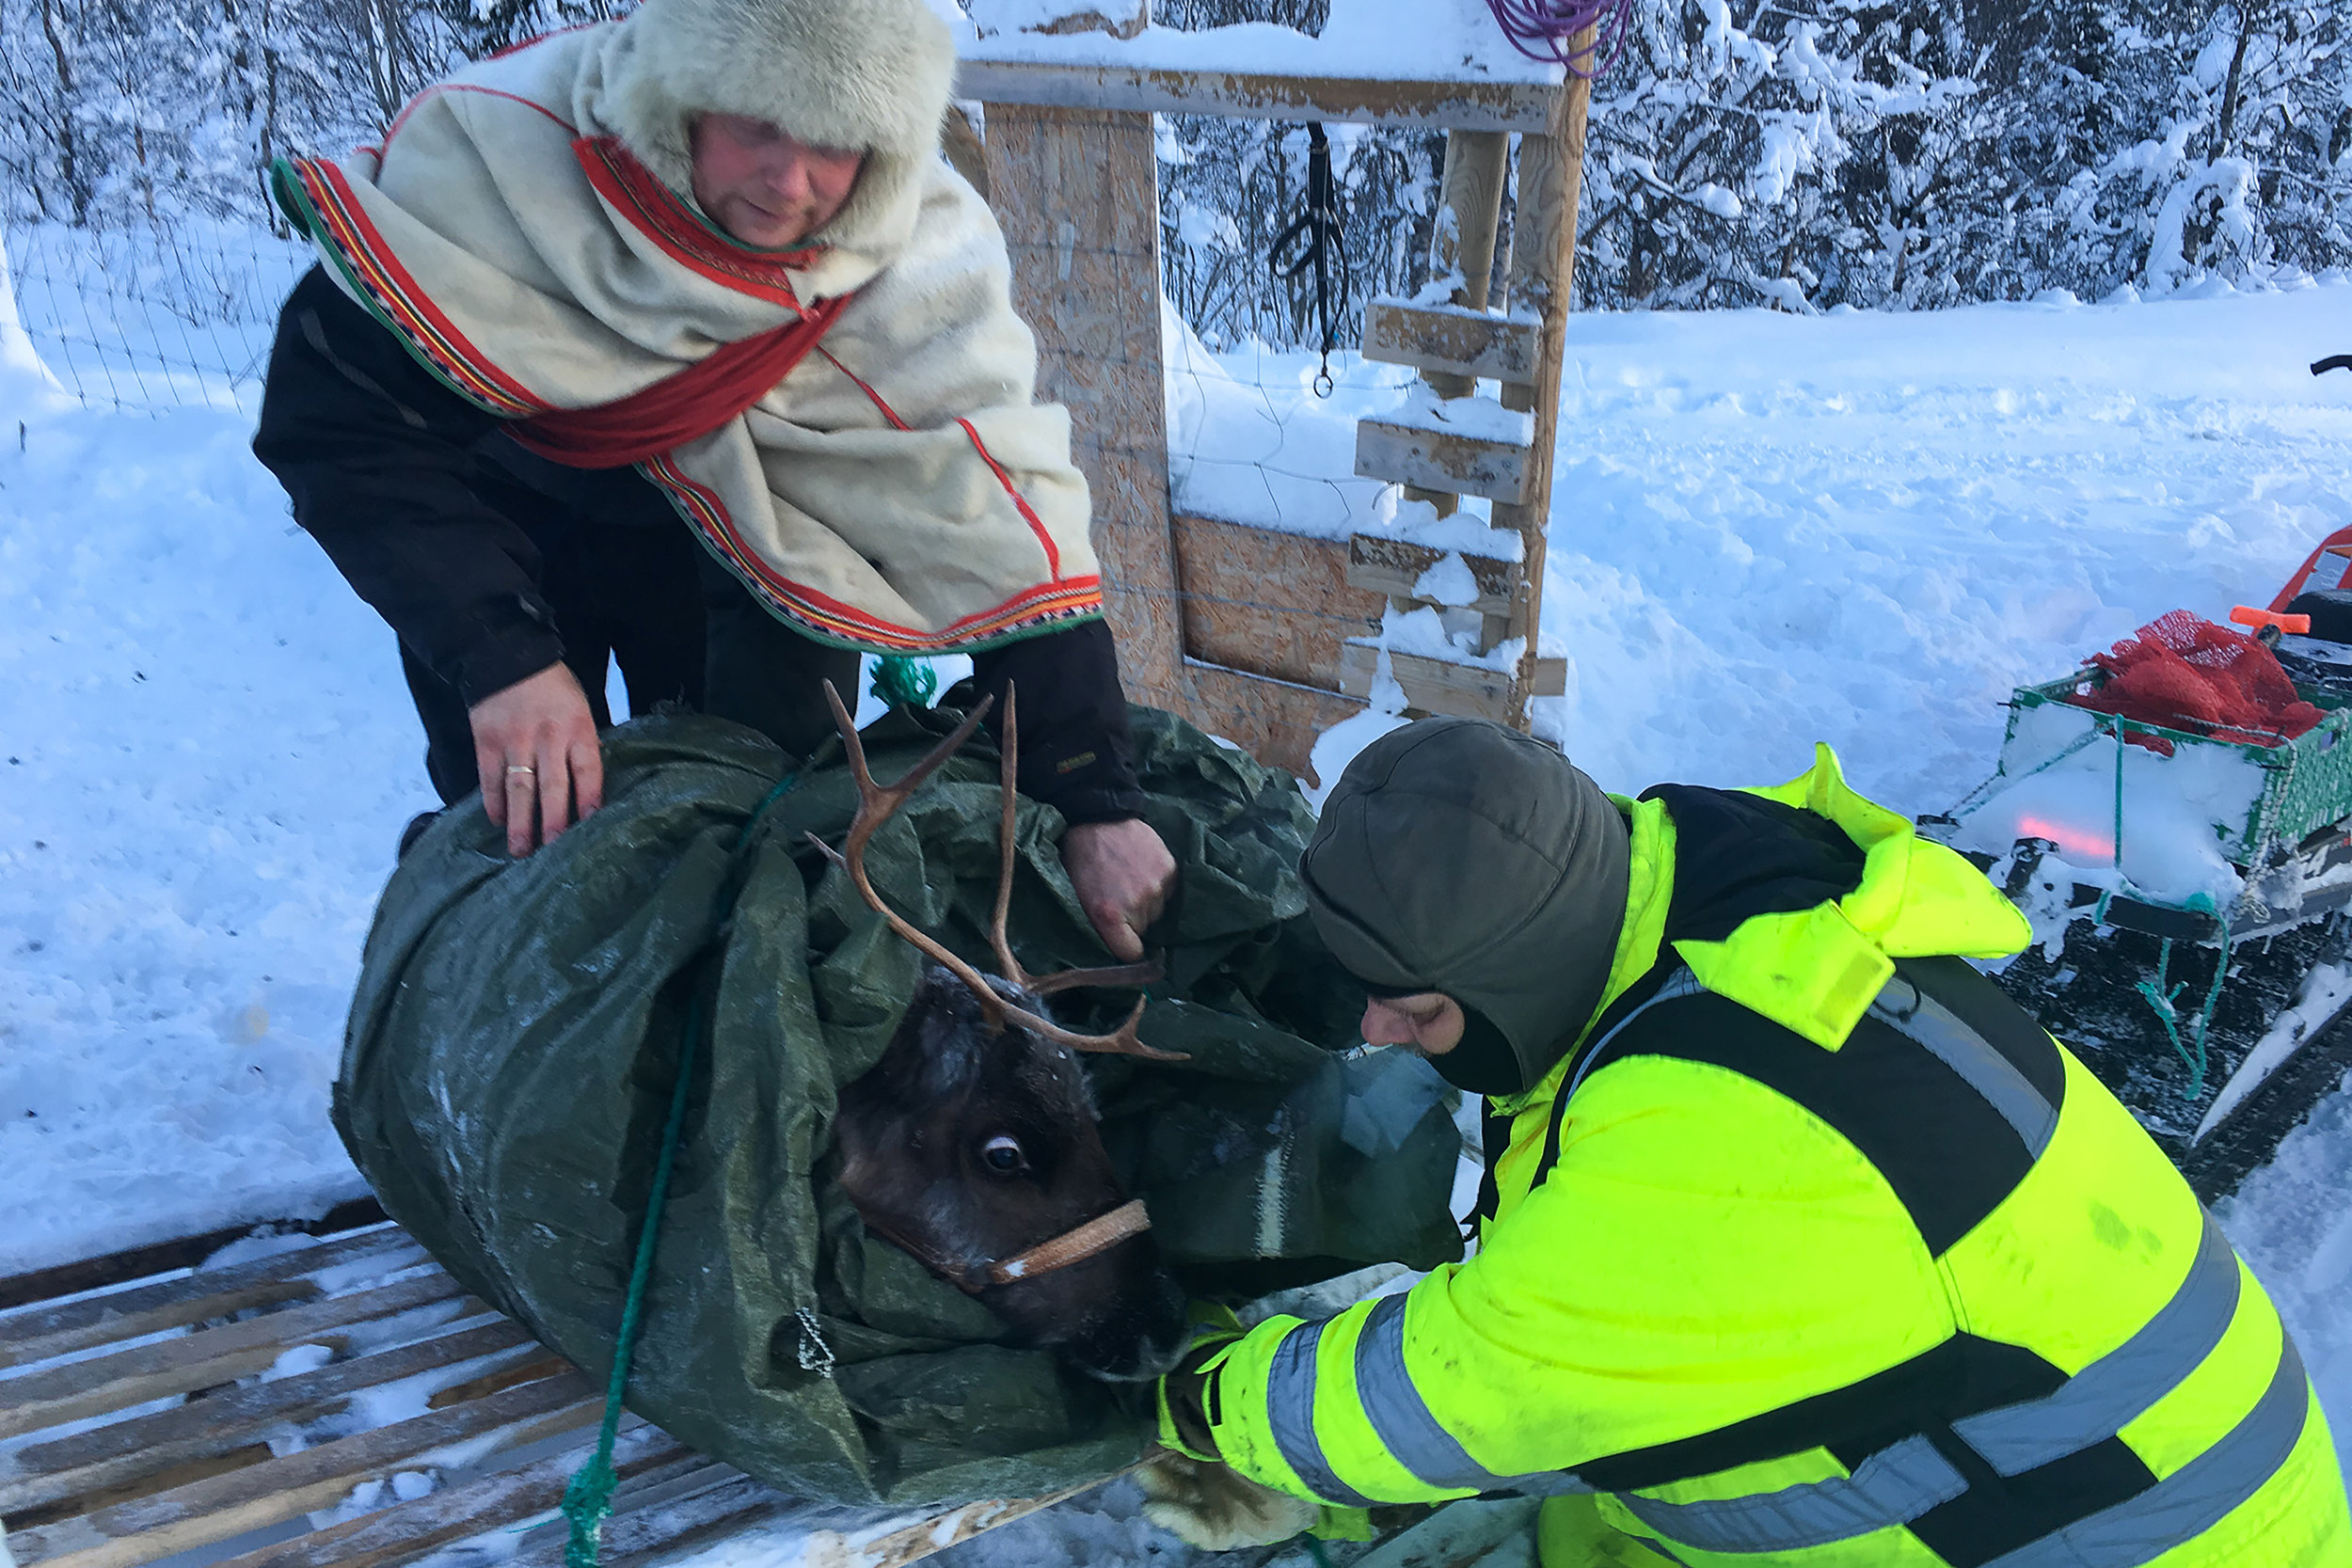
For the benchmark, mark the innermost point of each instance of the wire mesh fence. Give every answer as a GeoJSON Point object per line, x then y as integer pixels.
{"type": "Point", "coordinates": [145, 317]}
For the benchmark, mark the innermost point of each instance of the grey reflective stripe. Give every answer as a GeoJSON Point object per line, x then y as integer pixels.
{"type": "Point", "coordinates": [1893, 1486]}
{"type": "Point", "coordinates": [2193, 1499]}
{"type": "Point", "coordinates": [1290, 1408]}
{"type": "Point", "coordinates": [1681, 983]}
{"type": "Point", "coordinates": [1410, 1430]}
{"type": "Point", "coordinates": [2098, 1401]}
{"type": "Point", "coordinates": [1920, 1018]}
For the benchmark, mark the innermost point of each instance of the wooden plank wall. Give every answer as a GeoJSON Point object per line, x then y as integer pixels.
{"type": "Point", "coordinates": [1076, 191]}
{"type": "Point", "coordinates": [1236, 629]}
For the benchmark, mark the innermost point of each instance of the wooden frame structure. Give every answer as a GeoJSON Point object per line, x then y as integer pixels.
{"type": "Point", "coordinates": [1264, 637]}
{"type": "Point", "coordinates": [135, 1424]}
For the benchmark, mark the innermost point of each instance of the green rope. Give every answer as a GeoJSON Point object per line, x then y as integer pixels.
{"type": "Point", "coordinates": [905, 682]}
{"type": "Point", "coordinates": [2163, 999]}
{"type": "Point", "coordinates": [588, 1500]}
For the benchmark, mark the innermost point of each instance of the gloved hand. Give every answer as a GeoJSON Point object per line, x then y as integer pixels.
{"type": "Point", "coordinates": [1184, 1424]}
{"type": "Point", "coordinates": [1217, 1509]}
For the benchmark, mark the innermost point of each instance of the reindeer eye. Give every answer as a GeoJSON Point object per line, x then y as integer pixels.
{"type": "Point", "coordinates": [1003, 1155]}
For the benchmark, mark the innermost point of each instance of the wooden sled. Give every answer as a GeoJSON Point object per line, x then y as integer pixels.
{"type": "Point", "coordinates": [132, 1427]}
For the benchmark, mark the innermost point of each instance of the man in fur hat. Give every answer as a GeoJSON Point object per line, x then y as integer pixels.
{"type": "Point", "coordinates": [673, 341]}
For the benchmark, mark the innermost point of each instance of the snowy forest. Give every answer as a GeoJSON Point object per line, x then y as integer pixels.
{"type": "Point", "coordinates": [1796, 153]}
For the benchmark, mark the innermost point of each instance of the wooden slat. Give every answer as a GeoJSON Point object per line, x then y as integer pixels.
{"type": "Point", "coordinates": [1439, 685]}
{"type": "Point", "coordinates": [1438, 460]}
{"type": "Point", "coordinates": [185, 1252]}
{"type": "Point", "coordinates": [1257, 95]}
{"type": "Point", "coordinates": [1452, 339]}
{"type": "Point", "coordinates": [407, 1530]}
{"type": "Point", "coordinates": [213, 1355]}
{"type": "Point", "coordinates": [36, 1335]}
{"type": "Point", "coordinates": [119, 1452]}
{"type": "Point", "coordinates": [735, 1503]}
{"type": "Point", "coordinates": [296, 1484]}
{"type": "Point", "coordinates": [1393, 566]}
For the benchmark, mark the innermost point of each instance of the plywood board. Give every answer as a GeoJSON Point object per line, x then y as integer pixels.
{"type": "Point", "coordinates": [1272, 603]}
{"type": "Point", "coordinates": [1275, 722]}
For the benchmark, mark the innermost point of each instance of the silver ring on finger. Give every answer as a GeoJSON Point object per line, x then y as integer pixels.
{"type": "Point", "coordinates": [513, 767]}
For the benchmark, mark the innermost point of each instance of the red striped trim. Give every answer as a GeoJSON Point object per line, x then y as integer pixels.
{"type": "Point", "coordinates": [654, 210]}
{"type": "Point", "coordinates": [1045, 540]}
{"type": "Point", "coordinates": [417, 102]}
{"type": "Point", "coordinates": [406, 307]}
{"type": "Point", "coordinates": [1067, 599]}
{"type": "Point", "coordinates": [1053, 555]}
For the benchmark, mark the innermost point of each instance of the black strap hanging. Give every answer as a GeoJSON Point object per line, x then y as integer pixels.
{"type": "Point", "coordinates": [1314, 240]}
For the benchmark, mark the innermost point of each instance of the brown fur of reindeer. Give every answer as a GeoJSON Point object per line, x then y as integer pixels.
{"type": "Point", "coordinates": [972, 1144]}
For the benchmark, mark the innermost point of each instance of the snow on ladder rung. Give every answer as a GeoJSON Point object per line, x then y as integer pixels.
{"type": "Point", "coordinates": [1396, 568]}
{"type": "Point", "coordinates": [1470, 690]}
{"type": "Point", "coordinates": [1453, 338]}
{"type": "Point", "coordinates": [1463, 445]}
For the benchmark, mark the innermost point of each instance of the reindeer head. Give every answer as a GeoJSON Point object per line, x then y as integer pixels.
{"type": "Point", "coordinates": [972, 1143]}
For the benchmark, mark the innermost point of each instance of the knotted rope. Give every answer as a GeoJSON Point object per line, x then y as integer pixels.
{"type": "Point", "coordinates": [905, 682]}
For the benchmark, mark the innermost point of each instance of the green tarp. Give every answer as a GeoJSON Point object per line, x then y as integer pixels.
{"type": "Point", "coordinates": [517, 1030]}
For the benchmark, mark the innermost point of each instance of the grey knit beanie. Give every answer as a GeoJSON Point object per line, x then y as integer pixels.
{"type": "Point", "coordinates": [1459, 856]}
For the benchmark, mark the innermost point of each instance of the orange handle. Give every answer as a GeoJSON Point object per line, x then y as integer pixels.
{"type": "Point", "coordinates": [2247, 616]}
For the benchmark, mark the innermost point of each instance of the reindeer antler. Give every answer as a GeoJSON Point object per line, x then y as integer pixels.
{"type": "Point", "coordinates": [876, 805]}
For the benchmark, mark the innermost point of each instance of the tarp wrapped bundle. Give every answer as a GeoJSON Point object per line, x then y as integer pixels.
{"type": "Point", "coordinates": [517, 1027]}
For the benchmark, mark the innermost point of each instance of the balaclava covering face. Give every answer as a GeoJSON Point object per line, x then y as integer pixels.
{"type": "Point", "coordinates": [1459, 856]}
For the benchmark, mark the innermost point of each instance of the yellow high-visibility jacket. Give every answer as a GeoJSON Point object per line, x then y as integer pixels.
{"type": "Point", "coordinates": [1814, 1250]}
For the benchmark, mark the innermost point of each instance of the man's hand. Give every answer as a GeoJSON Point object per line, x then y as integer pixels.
{"type": "Point", "coordinates": [536, 745]}
{"type": "Point", "coordinates": [1122, 872]}
{"type": "Point", "coordinates": [1217, 1509]}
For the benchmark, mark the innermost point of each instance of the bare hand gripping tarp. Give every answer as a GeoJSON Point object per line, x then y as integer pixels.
{"type": "Point", "coordinates": [516, 1034]}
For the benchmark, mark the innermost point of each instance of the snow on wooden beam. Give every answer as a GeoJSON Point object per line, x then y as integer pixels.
{"type": "Point", "coordinates": [1438, 460]}
{"type": "Point", "coordinates": [1394, 567]}
{"type": "Point", "coordinates": [1252, 95]}
{"type": "Point", "coordinates": [1442, 686]}
{"type": "Point", "coordinates": [1452, 339]}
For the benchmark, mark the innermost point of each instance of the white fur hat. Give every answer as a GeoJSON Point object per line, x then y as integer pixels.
{"type": "Point", "coordinates": [869, 74]}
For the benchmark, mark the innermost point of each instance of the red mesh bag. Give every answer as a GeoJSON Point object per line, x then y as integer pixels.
{"type": "Point", "coordinates": [2185, 672]}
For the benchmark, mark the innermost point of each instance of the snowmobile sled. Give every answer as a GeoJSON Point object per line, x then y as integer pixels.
{"type": "Point", "coordinates": [2175, 820]}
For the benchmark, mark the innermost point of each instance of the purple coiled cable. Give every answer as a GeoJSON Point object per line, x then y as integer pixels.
{"type": "Point", "coordinates": [1546, 30]}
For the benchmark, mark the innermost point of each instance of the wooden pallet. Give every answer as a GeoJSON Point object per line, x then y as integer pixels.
{"type": "Point", "coordinates": [147, 1411]}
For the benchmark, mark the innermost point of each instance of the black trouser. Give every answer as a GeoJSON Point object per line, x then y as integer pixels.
{"type": "Point", "coordinates": [683, 630]}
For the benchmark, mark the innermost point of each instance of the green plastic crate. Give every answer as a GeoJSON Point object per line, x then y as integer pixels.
{"type": "Point", "coordinates": [2310, 783]}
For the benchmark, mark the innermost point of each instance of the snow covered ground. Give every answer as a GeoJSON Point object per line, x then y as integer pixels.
{"type": "Point", "coordinates": [1769, 531]}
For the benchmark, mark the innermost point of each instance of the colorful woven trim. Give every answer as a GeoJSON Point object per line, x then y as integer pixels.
{"type": "Point", "coordinates": [1026, 613]}
{"type": "Point", "coordinates": [654, 210]}
{"type": "Point", "coordinates": [338, 224]}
